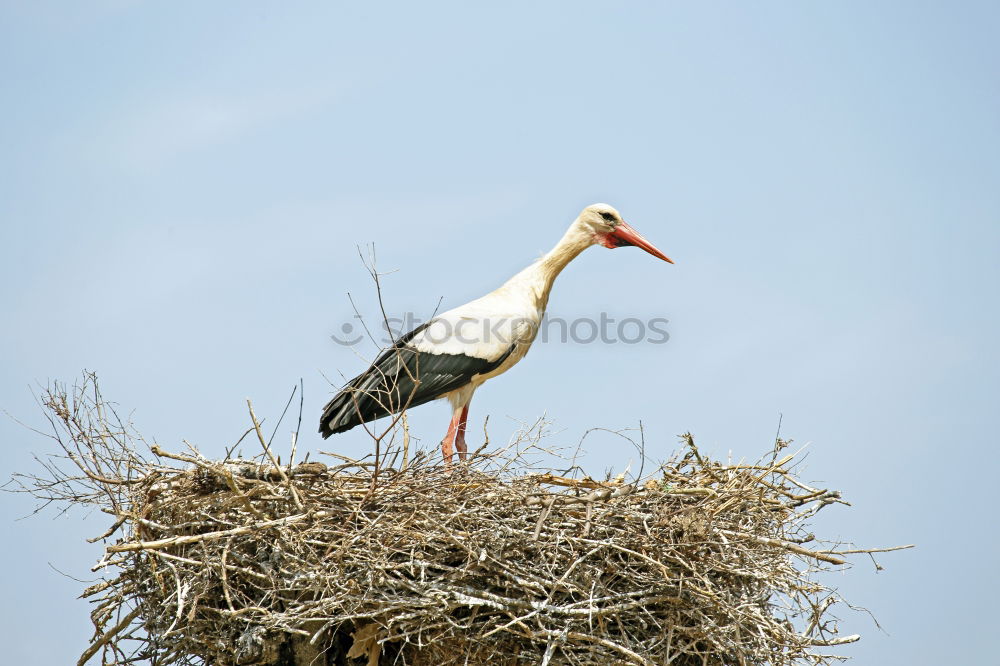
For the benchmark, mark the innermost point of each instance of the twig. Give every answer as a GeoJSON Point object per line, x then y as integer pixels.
{"type": "Point", "coordinates": [212, 536]}
{"type": "Point", "coordinates": [107, 636]}
{"type": "Point", "coordinates": [267, 450]}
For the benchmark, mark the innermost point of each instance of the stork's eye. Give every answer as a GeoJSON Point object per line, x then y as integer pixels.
{"type": "Point", "coordinates": [608, 217]}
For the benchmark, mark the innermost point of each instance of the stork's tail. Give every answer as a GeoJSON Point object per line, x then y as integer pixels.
{"type": "Point", "coordinates": [337, 415]}
{"type": "Point", "coordinates": [350, 408]}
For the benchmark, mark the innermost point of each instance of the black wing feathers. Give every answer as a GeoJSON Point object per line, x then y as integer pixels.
{"type": "Point", "coordinates": [400, 377]}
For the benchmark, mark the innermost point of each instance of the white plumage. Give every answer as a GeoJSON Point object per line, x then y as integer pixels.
{"type": "Point", "coordinates": [454, 353]}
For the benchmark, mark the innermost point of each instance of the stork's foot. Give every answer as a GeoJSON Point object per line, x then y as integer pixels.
{"type": "Point", "coordinates": [455, 438]}
{"type": "Point", "coordinates": [446, 450]}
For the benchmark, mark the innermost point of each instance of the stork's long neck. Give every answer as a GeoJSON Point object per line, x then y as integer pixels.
{"type": "Point", "coordinates": [546, 269]}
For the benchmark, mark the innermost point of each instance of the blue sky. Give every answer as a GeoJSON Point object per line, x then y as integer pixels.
{"type": "Point", "coordinates": [183, 188]}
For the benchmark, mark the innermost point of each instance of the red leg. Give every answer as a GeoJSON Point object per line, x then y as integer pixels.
{"type": "Point", "coordinates": [460, 434]}
{"type": "Point", "coordinates": [449, 438]}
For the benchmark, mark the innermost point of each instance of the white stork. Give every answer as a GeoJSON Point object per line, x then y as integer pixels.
{"type": "Point", "coordinates": [454, 353]}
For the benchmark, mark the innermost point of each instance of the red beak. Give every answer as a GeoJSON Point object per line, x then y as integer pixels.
{"type": "Point", "coordinates": [626, 235]}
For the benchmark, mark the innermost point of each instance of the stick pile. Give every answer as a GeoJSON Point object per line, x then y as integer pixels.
{"type": "Point", "coordinates": [380, 562]}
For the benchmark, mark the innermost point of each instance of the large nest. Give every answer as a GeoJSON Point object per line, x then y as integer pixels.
{"type": "Point", "coordinates": [405, 561]}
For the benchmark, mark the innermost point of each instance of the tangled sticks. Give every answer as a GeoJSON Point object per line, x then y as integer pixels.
{"type": "Point", "coordinates": [251, 562]}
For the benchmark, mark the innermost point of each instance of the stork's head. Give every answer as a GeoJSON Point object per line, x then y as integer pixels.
{"type": "Point", "coordinates": [610, 230]}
